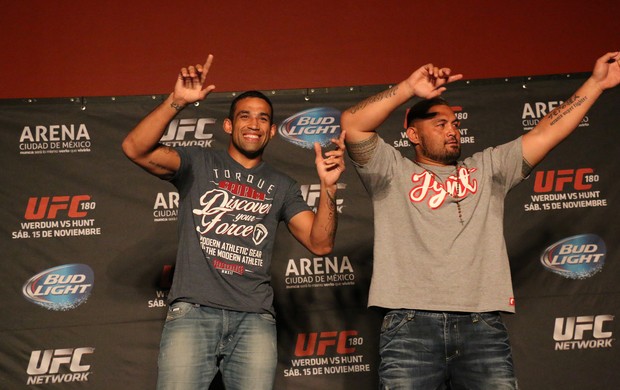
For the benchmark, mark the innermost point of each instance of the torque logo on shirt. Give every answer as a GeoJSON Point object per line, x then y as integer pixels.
{"type": "Point", "coordinates": [242, 190]}
{"type": "Point", "coordinates": [314, 125]}
{"type": "Point", "coordinates": [576, 257]}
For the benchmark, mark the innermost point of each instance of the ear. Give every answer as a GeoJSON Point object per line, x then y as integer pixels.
{"type": "Point", "coordinates": [412, 134]}
{"type": "Point", "coordinates": [227, 125]}
{"type": "Point", "coordinates": [273, 130]}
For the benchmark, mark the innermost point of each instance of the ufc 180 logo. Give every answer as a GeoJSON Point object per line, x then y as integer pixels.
{"type": "Point", "coordinates": [46, 207]}
{"type": "Point", "coordinates": [318, 343]}
{"type": "Point", "coordinates": [50, 360]}
{"type": "Point", "coordinates": [581, 179]}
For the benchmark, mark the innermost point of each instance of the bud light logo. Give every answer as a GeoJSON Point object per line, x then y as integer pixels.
{"type": "Point", "coordinates": [576, 257]}
{"type": "Point", "coordinates": [314, 125]}
{"type": "Point", "coordinates": [60, 288]}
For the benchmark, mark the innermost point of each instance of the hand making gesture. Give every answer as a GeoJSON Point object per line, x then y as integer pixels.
{"type": "Point", "coordinates": [330, 166]}
{"type": "Point", "coordinates": [190, 86]}
{"type": "Point", "coordinates": [428, 81]}
{"type": "Point", "coordinates": [607, 70]}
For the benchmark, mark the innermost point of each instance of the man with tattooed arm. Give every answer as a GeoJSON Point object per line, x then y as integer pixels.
{"type": "Point", "coordinates": [441, 270]}
{"type": "Point", "coordinates": [221, 314]}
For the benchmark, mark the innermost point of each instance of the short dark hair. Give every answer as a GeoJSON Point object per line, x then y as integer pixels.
{"type": "Point", "coordinates": [245, 95]}
{"type": "Point", "coordinates": [420, 109]}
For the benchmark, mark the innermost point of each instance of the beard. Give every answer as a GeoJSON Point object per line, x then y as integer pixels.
{"type": "Point", "coordinates": [441, 155]}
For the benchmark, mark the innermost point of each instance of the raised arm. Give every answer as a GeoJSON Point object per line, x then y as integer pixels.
{"type": "Point", "coordinates": [560, 123]}
{"type": "Point", "coordinates": [317, 232]}
{"type": "Point", "coordinates": [142, 145]}
{"type": "Point", "coordinates": [362, 120]}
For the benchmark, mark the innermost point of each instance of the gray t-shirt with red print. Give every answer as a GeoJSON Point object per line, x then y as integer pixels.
{"type": "Point", "coordinates": [228, 216]}
{"type": "Point", "coordinates": [429, 253]}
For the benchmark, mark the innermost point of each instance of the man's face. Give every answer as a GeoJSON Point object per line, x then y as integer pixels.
{"type": "Point", "coordinates": [251, 127]}
{"type": "Point", "coordinates": [437, 139]}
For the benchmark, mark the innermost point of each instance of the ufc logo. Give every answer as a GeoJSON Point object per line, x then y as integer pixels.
{"type": "Point", "coordinates": [179, 127]}
{"type": "Point", "coordinates": [50, 360]}
{"type": "Point", "coordinates": [551, 181]}
{"type": "Point", "coordinates": [49, 207]}
{"type": "Point", "coordinates": [573, 328]}
{"type": "Point", "coordinates": [317, 343]}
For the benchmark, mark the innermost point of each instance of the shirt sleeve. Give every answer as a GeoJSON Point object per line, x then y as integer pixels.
{"type": "Point", "coordinates": [508, 163]}
{"type": "Point", "coordinates": [377, 174]}
{"type": "Point", "coordinates": [294, 202]}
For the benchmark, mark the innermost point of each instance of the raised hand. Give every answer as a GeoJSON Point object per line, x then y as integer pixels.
{"type": "Point", "coordinates": [191, 83]}
{"type": "Point", "coordinates": [330, 166]}
{"type": "Point", "coordinates": [607, 70]}
{"type": "Point", "coordinates": [428, 81]}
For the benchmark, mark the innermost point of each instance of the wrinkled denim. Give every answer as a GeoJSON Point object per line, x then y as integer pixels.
{"type": "Point", "coordinates": [199, 340]}
{"type": "Point", "coordinates": [424, 350]}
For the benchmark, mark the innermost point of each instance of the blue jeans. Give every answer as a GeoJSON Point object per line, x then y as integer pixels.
{"type": "Point", "coordinates": [199, 340]}
{"type": "Point", "coordinates": [424, 350]}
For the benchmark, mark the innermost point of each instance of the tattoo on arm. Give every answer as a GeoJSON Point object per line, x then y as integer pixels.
{"type": "Point", "coordinates": [165, 149]}
{"type": "Point", "coordinates": [333, 214]}
{"type": "Point", "coordinates": [376, 98]}
{"type": "Point", "coordinates": [361, 152]}
{"type": "Point", "coordinates": [163, 168]}
{"type": "Point", "coordinates": [565, 108]}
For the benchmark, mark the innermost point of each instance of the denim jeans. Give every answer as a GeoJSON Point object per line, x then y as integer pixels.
{"type": "Point", "coordinates": [424, 350]}
{"type": "Point", "coordinates": [199, 340]}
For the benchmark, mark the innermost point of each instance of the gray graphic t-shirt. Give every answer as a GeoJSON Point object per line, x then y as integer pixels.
{"type": "Point", "coordinates": [228, 216]}
{"type": "Point", "coordinates": [439, 238]}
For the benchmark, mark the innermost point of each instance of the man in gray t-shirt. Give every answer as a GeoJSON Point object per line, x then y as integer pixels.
{"type": "Point", "coordinates": [441, 269]}
{"type": "Point", "coordinates": [221, 313]}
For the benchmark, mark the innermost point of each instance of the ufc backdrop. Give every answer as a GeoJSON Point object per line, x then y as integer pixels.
{"type": "Point", "coordinates": [89, 240]}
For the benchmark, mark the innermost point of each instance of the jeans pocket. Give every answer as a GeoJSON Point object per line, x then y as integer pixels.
{"type": "Point", "coordinates": [492, 321]}
{"type": "Point", "coordinates": [394, 321]}
{"type": "Point", "coordinates": [178, 310]}
{"type": "Point", "coordinates": [267, 317]}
